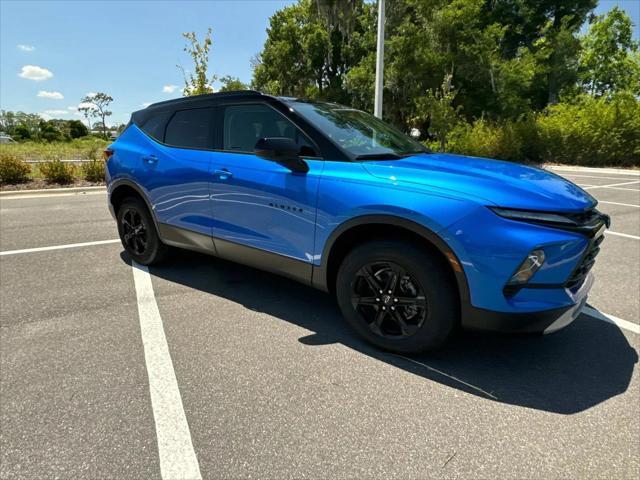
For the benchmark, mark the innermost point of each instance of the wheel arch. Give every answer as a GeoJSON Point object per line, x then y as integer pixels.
{"type": "Point", "coordinates": [122, 189]}
{"type": "Point", "coordinates": [367, 227]}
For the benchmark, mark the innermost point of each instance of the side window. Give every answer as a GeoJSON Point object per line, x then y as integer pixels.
{"type": "Point", "coordinates": [244, 125]}
{"type": "Point", "coordinates": [154, 126]}
{"type": "Point", "coordinates": [190, 129]}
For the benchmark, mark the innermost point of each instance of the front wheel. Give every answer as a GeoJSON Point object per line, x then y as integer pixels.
{"type": "Point", "coordinates": [397, 296]}
{"type": "Point", "coordinates": [138, 233]}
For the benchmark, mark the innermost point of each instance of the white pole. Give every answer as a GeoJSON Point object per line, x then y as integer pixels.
{"type": "Point", "coordinates": [377, 108]}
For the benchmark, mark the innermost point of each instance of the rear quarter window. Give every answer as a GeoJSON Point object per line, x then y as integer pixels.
{"type": "Point", "coordinates": [154, 125]}
{"type": "Point", "coordinates": [190, 129]}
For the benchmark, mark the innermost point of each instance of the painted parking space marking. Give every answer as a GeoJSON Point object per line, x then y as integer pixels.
{"type": "Point", "coordinates": [59, 247]}
{"type": "Point", "coordinates": [618, 234]}
{"type": "Point", "coordinates": [592, 176]}
{"type": "Point", "coordinates": [611, 185]}
{"type": "Point", "coordinates": [175, 449]}
{"type": "Point", "coordinates": [618, 203]}
{"type": "Point", "coordinates": [605, 317]}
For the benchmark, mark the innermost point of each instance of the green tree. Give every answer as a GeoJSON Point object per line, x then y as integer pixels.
{"type": "Point", "coordinates": [609, 61]}
{"type": "Point", "coordinates": [77, 129]}
{"type": "Point", "coordinates": [199, 81]}
{"type": "Point", "coordinates": [229, 83]}
{"type": "Point", "coordinates": [437, 106]}
{"type": "Point", "coordinates": [310, 48]}
{"type": "Point", "coordinates": [50, 131]}
{"type": "Point", "coordinates": [97, 106]}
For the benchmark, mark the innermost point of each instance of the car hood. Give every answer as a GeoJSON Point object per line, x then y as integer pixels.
{"type": "Point", "coordinates": [499, 183]}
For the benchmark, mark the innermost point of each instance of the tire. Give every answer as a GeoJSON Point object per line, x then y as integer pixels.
{"type": "Point", "coordinates": [138, 233]}
{"type": "Point", "coordinates": [421, 312]}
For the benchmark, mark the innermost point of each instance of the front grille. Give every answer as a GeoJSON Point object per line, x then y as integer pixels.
{"type": "Point", "coordinates": [582, 270]}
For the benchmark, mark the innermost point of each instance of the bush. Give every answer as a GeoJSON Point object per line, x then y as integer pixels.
{"type": "Point", "coordinates": [506, 141]}
{"type": "Point", "coordinates": [592, 132]}
{"type": "Point", "coordinates": [93, 171]}
{"type": "Point", "coordinates": [12, 169]}
{"type": "Point", "coordinates": [589, 131]}
{"type": "Point", "coordinates": [56, 171]}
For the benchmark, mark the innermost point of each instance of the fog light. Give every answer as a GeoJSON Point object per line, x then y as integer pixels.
{"type": "Point", "coordinates": [531, 265]}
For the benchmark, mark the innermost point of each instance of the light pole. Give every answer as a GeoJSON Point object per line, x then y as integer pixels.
{"type": "Point", "coordinates": [377, 105]}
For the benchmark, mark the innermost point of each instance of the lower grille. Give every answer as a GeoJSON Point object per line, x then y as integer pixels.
{"type": "Point", "coordinates": [582, 270]}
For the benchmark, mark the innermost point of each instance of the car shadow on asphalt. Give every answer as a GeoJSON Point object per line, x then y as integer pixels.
{"type": "Point", "coordinates": [567, 372]}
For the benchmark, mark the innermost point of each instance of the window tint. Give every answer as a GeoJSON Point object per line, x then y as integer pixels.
{"type": "Point", "coordinates": [244, 125]}
{"type": "Point", "coordinates": [190, 128]}
{"type": "Point", "coordinates": [154, 126]}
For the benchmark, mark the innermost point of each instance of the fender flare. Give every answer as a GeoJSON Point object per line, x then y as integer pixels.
{"type": "Point", "coordinates": [320, 273]}
{"type": "Point", "coordinates": [125, 182]}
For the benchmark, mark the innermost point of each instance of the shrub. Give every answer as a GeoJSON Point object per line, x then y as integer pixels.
{"type": "Point", "coordinates": [588, 131]}
{"type": "Point", "coordinates": [492, 140]}
{"type": "Point", "coordinates": [93, 171]}
{"type": "Point", "coordinates": [56, 171]}
{"type": "Point", "coordinates": [12, 169]}
{"type": "Point", "coordinates": [592, 131]}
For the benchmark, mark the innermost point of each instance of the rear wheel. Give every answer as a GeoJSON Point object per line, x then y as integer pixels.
{"type": "Point", "coordinates": [138, 233]}
{"type": "Point", "coordinates": [397, 296]}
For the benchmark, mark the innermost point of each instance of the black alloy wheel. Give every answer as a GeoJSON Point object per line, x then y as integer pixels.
{"type": "Point", "coordinates": [135, 232]}
{"type": "Point", "coordinates": [398, 295]}
{"type": "Point", "coordinates": [389, 300]}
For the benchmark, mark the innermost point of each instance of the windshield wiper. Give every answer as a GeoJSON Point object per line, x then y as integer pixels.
{"type": "Point", "coordinates": [379, 156]}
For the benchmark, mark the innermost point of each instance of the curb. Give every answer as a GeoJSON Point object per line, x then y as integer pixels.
{"type": "Point", "coordinates": [52, 191]}
{"type": "Point", "coordinates": [617, 171]}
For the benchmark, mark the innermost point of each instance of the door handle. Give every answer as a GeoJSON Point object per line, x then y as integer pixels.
{"type": "Point", "coordinates": [223, 174]}
{"type": "Point", "coordinates": [151, 159]}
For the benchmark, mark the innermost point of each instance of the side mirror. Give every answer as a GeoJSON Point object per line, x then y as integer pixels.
{"type": "Point", "coordinates": [282, 150]}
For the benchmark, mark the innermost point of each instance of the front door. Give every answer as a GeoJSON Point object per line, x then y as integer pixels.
{"type": "Point", "coordinates": [257, 202]}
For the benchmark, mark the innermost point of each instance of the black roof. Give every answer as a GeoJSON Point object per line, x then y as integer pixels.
{"type": "Point", "coordinates": [207, 99]}
{"type": "Point", "coordinates": [207, 96]}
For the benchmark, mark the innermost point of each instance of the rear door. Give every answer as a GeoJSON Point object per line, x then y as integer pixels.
{"type": "Point", "coordinates": [257, 202]}
{"type": "Point", "coordinates": [175, 173]}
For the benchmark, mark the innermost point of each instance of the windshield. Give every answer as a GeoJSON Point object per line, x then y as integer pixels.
{"type": "Point", "coordinates": [362, 135]}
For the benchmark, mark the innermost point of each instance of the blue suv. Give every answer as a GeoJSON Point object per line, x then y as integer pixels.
{"type": "Point", "coordinates": [412, 243]}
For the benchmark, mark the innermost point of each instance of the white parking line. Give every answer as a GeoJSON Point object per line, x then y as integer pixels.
{"type": "Point", "coordinates": [625, 235]}
{"type": "Point", "coordinates": [59, 247]}
{"type": "Point", "coordinates": [592, 176]}
{"type": "Point", "coordinates": [177, 458]}
{"type": "Point", "coordinates": [592, 312]}
{"type": "Point", "coordinates": [613, 185]}
{"type": "Point", "coordinates": [617, 203]}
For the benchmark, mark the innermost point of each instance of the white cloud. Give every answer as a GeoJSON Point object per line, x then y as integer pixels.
{"type": "Point", "coordinates": [146, 104]}
{"type": "Point", "coordinates": [33, 72]}
{"type": "Point", "coordinates": [26, 48]}
{"type": "Point", "coordinates": [169, 88]}
{"type": "Point", "coordinates": [52, 95]}
{"type": "Point", "coordinates": [56, 112]}
{"type": "Point", "coordinates": [90, 106]}
{"type": "Point", "coordinates": [91, 94]}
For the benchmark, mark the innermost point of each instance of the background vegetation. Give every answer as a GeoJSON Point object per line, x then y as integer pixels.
{"type": "Point", "coordinates": [511, 79]}
{"type": "Point", "coordinates": [543, 81]}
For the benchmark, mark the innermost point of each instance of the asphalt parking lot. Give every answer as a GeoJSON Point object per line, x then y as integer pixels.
{"type": "Point", "coordinates": [262, 378]}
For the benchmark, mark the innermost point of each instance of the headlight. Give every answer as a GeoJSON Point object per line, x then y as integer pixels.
{"type": "Point", "coordinates": [536, 217]}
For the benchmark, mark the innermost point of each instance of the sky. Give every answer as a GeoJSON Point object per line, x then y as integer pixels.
{"type": "Point", "coordinates": [52, 53]}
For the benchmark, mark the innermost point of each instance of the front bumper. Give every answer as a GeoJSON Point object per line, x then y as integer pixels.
{"type": "Point", "coordinates": [545, 321]}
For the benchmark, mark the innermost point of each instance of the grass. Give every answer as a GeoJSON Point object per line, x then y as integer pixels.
{"type": "Point", "coordinates": [86, 148]}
